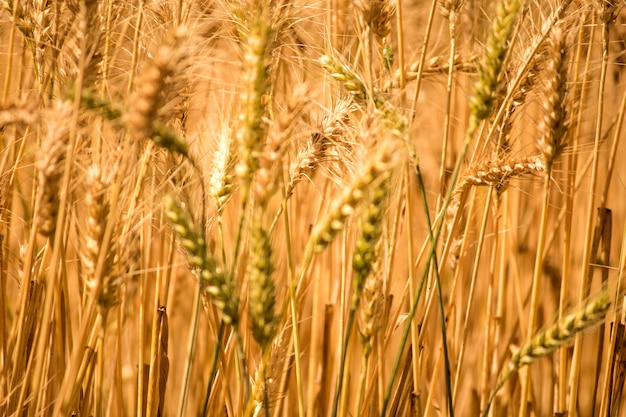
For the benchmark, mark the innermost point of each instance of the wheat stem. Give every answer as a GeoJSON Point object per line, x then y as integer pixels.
{"type": "Point", "coordinates": [584, 287]}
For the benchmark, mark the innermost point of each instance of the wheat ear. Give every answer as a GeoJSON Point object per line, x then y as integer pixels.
{"type": "Point", "coordinates": [252, 129]}
{"type": "Point", "coordinates": [143, 120]}
{"type": "Point", "coordinates": [554, 124]}
{"type": "Point", "coordinates": [216, 282]}
{"type": "Point", "coordinates": [221, 180]}
{"type": "Point", "coordinates": [489, 71]}
{"type": "Point", "coordinates": [342, 207]}
{"type": "Point", "coordinates": [262, 294]}
{"type": "Point", "coordinates": [49, 168]}
{"type": "Point", "coordinates": [363, 258]}
{"type": "Point", "coordinates": [588, 316]}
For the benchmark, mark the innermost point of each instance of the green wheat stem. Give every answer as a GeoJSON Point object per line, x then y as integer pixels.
{"type": "Point", "coordinates": [213, 372]}
{"type": "Point", "coordinates": [431, 258]}
{"type": "Point", "coordinates": [344, 353]}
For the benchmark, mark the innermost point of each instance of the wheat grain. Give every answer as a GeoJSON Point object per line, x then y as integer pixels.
{"type": "Point", "coordinates": [371, 307]}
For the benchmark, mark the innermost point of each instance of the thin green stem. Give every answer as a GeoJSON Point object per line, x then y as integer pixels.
{"type": "Point", "coordinates": [344, 353]}
{"type": "Point", "coordinates": [474, 122]}
{"type": "Point", "coordinates": [213, 372]}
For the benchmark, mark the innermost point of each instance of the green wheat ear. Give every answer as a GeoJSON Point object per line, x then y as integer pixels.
{"type": "Point", "coordinates": [262, 292]}
{"type": "Point", "coordinates": [495, 52]}
{"type": "Point", "coordinates": [216, 282]}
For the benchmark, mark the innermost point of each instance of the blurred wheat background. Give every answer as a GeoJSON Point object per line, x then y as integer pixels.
{"type": "Point", "coordinates": [312, 208]}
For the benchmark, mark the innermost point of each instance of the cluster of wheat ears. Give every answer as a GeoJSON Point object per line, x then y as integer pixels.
{"type": "Point", "coordinates": [312, 207]}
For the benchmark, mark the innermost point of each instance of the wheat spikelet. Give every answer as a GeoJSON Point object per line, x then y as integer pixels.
{"type": "Point", "coordinates": [433, 66]}
{"type": "Point", "coordinates": [348, 79]}
{"type": "Point", "coordinates": [266, 381]}
{"type": "Point", "coordinates": [90, 101]}
{"type": "Point", "coordinates": [331, 130]}
{"type": "Point", "coordinates": [353, 84]}
{"type": "Point", "coordinates": [217, 283]}
{"type": "Point", "coordinates": [562, 332]}
{"type": "Point", "coordinates": [449, 7]}
{"type": "Point", "coordinates": [18, 113]}
{"type": "Point", "coordinates": [529, 80]}
{"type": "Point", "coordinates": [128, 252]}
{"type": "Point", "coordinates": [606, 10]}
{"type": "Point", "coordinates": [307, 160]}
{"type": "Point", "coordinates": [377, 14]}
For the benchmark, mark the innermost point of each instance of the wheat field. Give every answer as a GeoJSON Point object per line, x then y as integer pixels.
{"type": "Point", "coordinates": [312, 208]}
